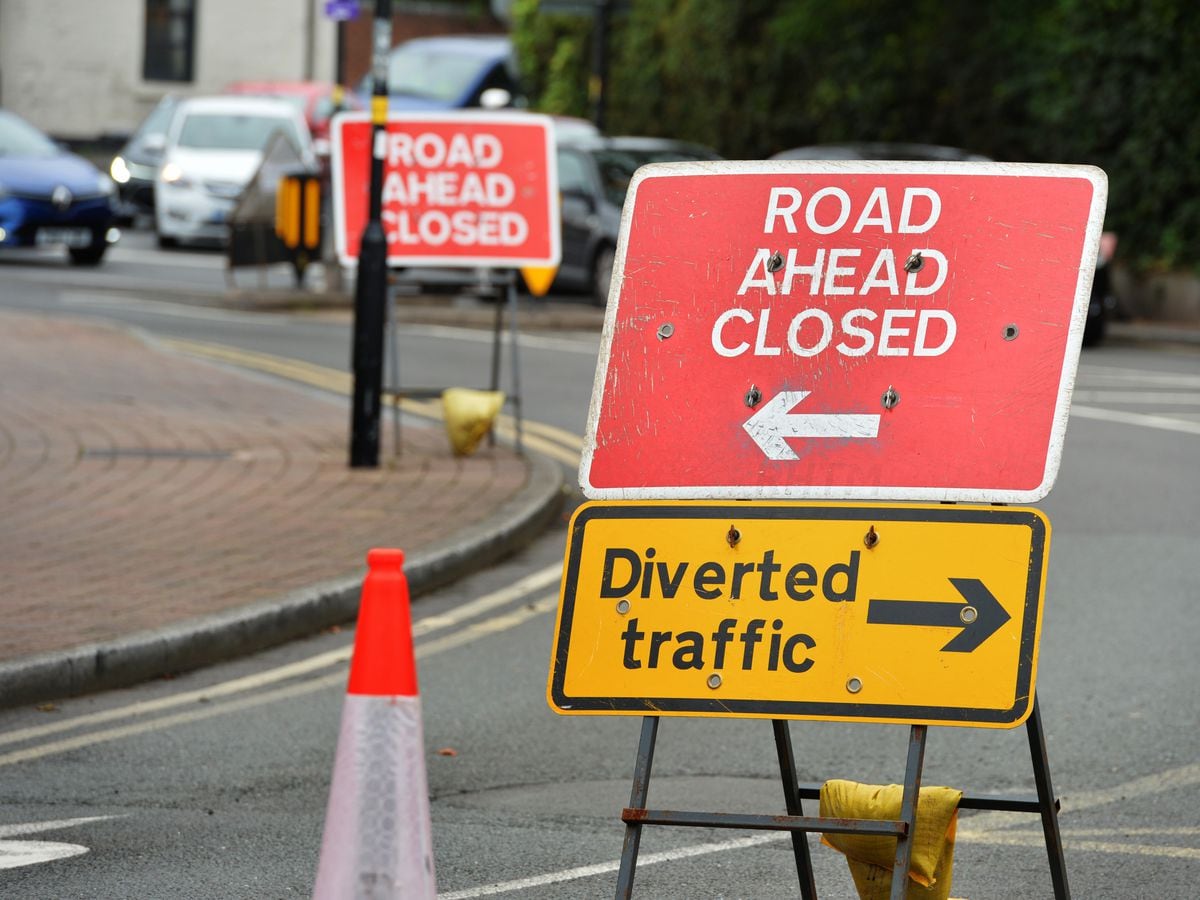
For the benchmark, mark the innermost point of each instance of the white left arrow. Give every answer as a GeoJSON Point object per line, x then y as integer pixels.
{"type": "Point", "coordinates": [770, 426]}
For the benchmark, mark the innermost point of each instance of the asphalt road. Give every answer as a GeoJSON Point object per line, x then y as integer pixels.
{"type": "Point", "coordinates": [214, 784]}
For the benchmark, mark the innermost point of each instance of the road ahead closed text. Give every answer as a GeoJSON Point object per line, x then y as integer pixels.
{"type": "Point", "coordinates": [811, 270]}
{"type": "Point", "coordinates": [476, 190]}
{"type": "Point", "coordinates": [843, 330]}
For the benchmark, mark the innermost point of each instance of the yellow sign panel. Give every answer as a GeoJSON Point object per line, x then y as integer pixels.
{"type": "Point", "coordinates": [887, 613]}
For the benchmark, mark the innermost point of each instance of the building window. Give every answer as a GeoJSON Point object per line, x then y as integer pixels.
{"type": "Point", "coordinates": [170, 40]}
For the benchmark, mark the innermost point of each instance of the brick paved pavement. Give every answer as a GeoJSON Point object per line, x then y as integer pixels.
{"type": "Point", "coordinates": [142, 489]}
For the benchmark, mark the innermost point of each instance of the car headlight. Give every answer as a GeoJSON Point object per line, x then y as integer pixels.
{"type": "Point", "coordinates": [119, 170]}
{"type": "Point", "coordinates": [173, 175]}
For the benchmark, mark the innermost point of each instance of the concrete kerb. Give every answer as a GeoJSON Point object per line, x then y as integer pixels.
{"type": "Point", "coordinates": [203, 641]}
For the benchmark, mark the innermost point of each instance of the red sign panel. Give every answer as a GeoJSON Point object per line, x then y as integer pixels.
{"type": "Point", "coordinates": [467, 189]}
{"type": "Point", "coordinates": [843, 330]}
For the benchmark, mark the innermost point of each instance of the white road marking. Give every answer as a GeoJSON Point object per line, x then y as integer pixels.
{"type": "Point", "coordinates": [644, 859]}
{"type": "Point", "coordinates": [1144, 398]}
{"type": "Point", "coordinates": [1079, 845]}
{"type": "Point", "coordinates": [23, 828]}
{"type": "Point", "coordinates": [1098, 385]}
{"type": "Point", "coordinates": [1163, 423]}
{"type": "Point", "coordinates": [991, 828]}
{"type": "Point", "coordinates": [14, 854]}
{"type": "Point", "coordinates": [1109, 376]}
{"type": "Point", "coordinates": [431, 624]}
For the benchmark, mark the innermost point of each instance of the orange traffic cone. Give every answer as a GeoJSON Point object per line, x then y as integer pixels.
{"type": "Point", "coordinates": [378, 841]}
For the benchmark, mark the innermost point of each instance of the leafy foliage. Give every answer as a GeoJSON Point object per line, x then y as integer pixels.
{"type": "Point", "coordinates": [1106, 82]}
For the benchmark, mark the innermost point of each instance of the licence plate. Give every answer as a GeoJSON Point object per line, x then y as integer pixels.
{"type": "Point", "coordinates": [72, 237]}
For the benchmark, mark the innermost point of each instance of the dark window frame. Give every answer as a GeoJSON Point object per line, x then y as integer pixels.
{"type": "Point", "coordinates": [169, 46]}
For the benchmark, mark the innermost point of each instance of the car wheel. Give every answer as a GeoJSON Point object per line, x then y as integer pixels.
{"type": "Point", "coordinates": [90, 255]}
{"type": "Point", "coordinates": [166, 242]}
{"type": "Point", "coordinates": [602, 268]}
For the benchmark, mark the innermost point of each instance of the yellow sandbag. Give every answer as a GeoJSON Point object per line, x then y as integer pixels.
{"type": "Point", "coordinates": [469, 415]}
{"type": "Point", "coordinates": [871, 856]}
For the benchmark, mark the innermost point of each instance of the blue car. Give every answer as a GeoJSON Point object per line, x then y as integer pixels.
{"type": "Point", "coordinates": [51, 197]}
{"type": "Point", "coordinates": [451, 72]}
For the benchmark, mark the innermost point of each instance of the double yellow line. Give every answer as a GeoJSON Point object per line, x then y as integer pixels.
{"type": "Point", "coordinates": [554, 442]}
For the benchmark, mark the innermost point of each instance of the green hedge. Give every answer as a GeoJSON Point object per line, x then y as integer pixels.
{"type": "Point", "coordinates": [1113, 83]}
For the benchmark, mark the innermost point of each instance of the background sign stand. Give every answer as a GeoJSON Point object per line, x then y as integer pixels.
{"type": "Point", "coordinates": [637, 814]}
{"type": "Point", "coordinates": [504, 286]}
{"type": "Point", "coordinates": [514, 395]}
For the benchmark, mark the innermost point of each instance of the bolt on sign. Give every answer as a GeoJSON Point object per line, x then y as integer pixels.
{"type": "Point", "coordinates": [897, 331]}
{"type": "Point", "coordinates": [904, 613]}
{"type": "Point", "coordinates": [467, 189]}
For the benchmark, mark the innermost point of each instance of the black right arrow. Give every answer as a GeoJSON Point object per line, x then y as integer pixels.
{"type": "Point", "coordinates": [989, 614]}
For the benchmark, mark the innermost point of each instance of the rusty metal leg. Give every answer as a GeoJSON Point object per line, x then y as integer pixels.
{"type": "Point", "coordinates": [1049, 806]}
{"type": "Point", "coordinates": [497, 332]}
{"type": "Point", "coordinates": [791, 792]}
{"type": "Point", "coordinates": [515, 360]}
{"type": "Point", "coordinates": [394, 366]}
{"type": "Point", "coordinates": [908, 811]}
{"type": "Point", "coordinates": [637, 800]}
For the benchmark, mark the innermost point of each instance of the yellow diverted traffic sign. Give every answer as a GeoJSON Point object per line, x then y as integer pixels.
{"type": "Point", "coordinates": [901, 613]}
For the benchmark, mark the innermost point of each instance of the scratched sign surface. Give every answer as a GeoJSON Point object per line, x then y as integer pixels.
{"type": "Point", "coordinates": [888, 613]}
{"type": "Point", "coordinates": [843, 330]}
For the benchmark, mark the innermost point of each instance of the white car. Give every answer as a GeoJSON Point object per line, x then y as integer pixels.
{"type": "Point", "coordinates": [213, 148]}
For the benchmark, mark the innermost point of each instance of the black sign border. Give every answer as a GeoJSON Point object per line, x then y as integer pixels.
{"type": "Point", "coordinates": [791, 709]}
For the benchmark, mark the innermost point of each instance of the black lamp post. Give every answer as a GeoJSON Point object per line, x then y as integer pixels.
{"type": "Point", "coordinates": [370, 287]}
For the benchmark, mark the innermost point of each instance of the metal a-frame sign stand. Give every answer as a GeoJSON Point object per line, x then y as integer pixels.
{"type": "Point", "coordinates": [789, 525]}
{"type": "Point", "coordinates": [502, 286]}
{"type": "Point", "coordinates": [1044, 803]}
{"type": "Point", "coordinates": [652, 460]}
{"type": "Point", "coordinates": [455, 191]}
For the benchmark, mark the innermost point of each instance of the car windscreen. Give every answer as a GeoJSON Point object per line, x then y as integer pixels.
{"type": "Point", "coordinates": [19, 138]}
{"type": "Point", "coordinates": [224, 131]}
{"type": "Point", "coordinates": [298, 102]}
{"type": "Point", "coordinates": [159, 119]}
{"type": "Point", "coordinates": [616, 167]}
{"type": "Point", "coordinates": [433, 75]}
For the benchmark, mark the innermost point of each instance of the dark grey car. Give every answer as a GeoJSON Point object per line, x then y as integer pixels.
{"type": "Point", "coordinates": [1103, 304]}
{"type": "Point", "coordinates": [882, 151]}
{"type": "Point", "coordinates": [135, 166]}
{"type": "Point", "coordinates": [593, 176]}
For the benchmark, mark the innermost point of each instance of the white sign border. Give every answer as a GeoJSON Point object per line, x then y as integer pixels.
{"type": "Point", "coordinates": [978, 494]}
{"type": "Point", "coordinates": [546, 123]}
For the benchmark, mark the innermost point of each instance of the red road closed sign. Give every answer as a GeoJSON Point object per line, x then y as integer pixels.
{"type": "Point", "coordinates": [843, 330]}
{"type": "Point", "coordinates": [467, 189]}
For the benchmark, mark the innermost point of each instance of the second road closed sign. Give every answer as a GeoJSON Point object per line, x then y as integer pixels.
{"type": "Point", "coordinates": [900, 331]}
{"type": "Point", "coordinates": [472, 190]}
{"type": "Point", "coordinates": [893, 613]}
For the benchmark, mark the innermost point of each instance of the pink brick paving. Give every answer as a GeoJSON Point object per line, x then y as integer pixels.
{"type": "Point", "coordinates": [139, 488]}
